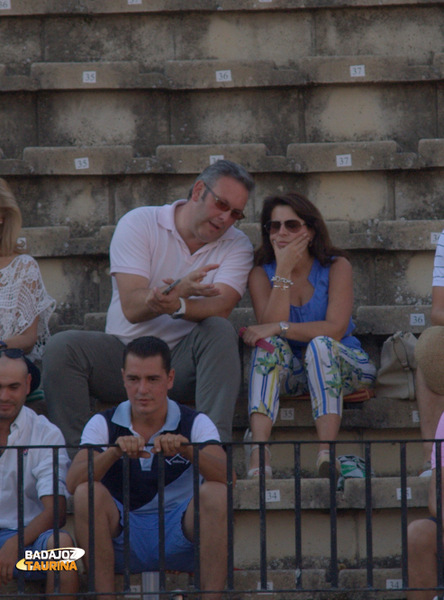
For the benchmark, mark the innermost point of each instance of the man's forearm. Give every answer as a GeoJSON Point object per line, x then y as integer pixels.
{"type": "Point", "coordinates": [138, 307]}
{"type": "Point", "coordinates": [103, 461]}
{"type": "Point", "coordinates": [198, 309]}
{"type": "Point", "coordinates": [212, 463]}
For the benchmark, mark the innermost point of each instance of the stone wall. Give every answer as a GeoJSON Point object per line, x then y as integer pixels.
{"type": "Point", "coordinates": [108, 105]}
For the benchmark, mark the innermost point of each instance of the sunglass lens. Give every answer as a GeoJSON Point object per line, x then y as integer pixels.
{"type": "Point", "coordinates": [293, 225]}
{"type": "Point", "coordinates": [272, 226]}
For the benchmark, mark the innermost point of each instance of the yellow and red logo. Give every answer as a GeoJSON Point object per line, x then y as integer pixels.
{"type": "Point", "coordinates": [56, 559]}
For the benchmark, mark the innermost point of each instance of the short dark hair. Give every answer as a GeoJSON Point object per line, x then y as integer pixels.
{"type": "Point", "coordinates": [225, 168]}
{"type": "Point", "coordinates": [321, 247]}
{"type": "Point", "coordinates": [147, 346]}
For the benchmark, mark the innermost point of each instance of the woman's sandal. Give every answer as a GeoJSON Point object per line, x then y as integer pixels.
{"type": "Point", "coordinates": [323, 465]}
{"type": "Point", "coordinates": [255, 471]}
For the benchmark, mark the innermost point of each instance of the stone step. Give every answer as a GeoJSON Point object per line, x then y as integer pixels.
{"type": "Point", "coordinates": [92, 160]}
{"type": "Point", "coordinates": [215, 74]}
{"type": "Point", "coordinates": [387, 236]}
{"type": "Point", "coordinates": [378, 413]}
{"type": "Point", "coordinates": [385, 320]}
{"type": "Point", "coordinates": [64, 7]}
{"type": "Point", "coordinates": [376, 423]}
{"type": "Point", "coordinates": [315, 517]}
{"type": "Point", "coordinates": [246, 582]}
{"type": "Point", "coordinates": [375, 320]}
{"type": "Point", "coordinates": [209, 29]}
{"type": "Point", "coordinates": [373, 323]}
{"type": "Point", "coordinates": [387, 584]}
{"type": "Point", "coordinates": [87, 117]}
{"type": "Point", "coordinates": [315, 494]}
{"type": "Point", "coordinates": [168, 160]}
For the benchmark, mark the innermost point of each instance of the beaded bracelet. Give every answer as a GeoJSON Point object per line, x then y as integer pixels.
{"type": "Point", "coordinates": [283, 280]}
{"type": "Point", "coordinates": [281, 287]}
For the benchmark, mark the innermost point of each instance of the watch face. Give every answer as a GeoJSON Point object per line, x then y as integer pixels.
{"type": "Point", "coordinates": [284, 325]}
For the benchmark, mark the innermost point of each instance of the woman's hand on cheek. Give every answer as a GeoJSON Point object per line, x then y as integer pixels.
{"type": "Point", "coordinates": [289, 255]}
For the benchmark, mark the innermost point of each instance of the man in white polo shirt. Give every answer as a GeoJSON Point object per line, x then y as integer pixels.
{"type": "Point", "coordinates": [178, 271]}
{"type": "Point", "coordinates": [20, 426]}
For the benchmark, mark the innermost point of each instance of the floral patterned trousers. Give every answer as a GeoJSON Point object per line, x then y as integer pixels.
{"type": "Point", "coordinates": [328, 371]}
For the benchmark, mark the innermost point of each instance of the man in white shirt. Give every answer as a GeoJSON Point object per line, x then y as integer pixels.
{"type": "Point", "coordinates": [192, 244]}
{"type": "Point", "coordinates": [430, 403]}
{"type": "Point", "coordinates": [147, 423]}
{"type": "Point", "coordinates": [21, 426]}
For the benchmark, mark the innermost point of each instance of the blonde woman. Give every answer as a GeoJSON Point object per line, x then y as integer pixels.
{"type": "Point", "coordinates": [25, 306]}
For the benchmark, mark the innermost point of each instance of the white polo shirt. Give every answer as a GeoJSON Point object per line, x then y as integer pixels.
{"type": "Point", "coordinates": [438, 268]}
{"type": "Point", "coordinates": [30, 429]}
{"type": "Point", "coordinates": [147, 243]}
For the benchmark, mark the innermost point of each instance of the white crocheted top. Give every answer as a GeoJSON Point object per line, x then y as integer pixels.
{"type": "Point", "coordinates": [23, 297]}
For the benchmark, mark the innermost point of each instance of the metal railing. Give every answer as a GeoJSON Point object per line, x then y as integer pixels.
{"type": "Point", "coordinates": [299, 563]}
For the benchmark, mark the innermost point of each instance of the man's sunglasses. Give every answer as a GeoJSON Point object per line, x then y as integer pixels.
{"type": "Point", "coordinates": [292, 225]}
{"type": "Point", "coordinates": [220, 204]}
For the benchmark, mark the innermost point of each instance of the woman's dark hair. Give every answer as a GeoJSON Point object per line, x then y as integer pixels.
{"type": "Point", "coordinates": [321, 246]}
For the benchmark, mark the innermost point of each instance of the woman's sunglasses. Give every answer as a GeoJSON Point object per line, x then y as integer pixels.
{"type": "Point", "coordinates": [292, 225]}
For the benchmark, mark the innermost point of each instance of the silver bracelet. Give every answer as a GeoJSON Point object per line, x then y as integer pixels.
{"type": "Point", "coordinates": [278, 279]}
{"type": "Point", "coordinates": [281, 287]}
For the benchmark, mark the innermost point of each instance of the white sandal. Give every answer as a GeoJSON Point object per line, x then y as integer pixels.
{"type": "Point", "coordinates": [255, 471]}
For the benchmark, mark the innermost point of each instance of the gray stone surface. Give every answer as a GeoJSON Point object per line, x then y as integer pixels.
{"type": "Point", "coordinates": [82, 160]}
{"type": "Point", "coordinates": [315, 494]}
{"type": "Point", "coordinates": [83, 204]}
{"type": "Point", "coordinates": [418, 195]}
{"type": "Point", "coordinates": [385, 320]}
{"type": "Point", "coordinates": [360, 69]}
{"type": "Point", "coordinates": [18, 126]}
{"type": "Point", "coordinates": [227, 118]}
{"type": "Point", "coordinates": [43, 7]}
{"type": "Point", "coordinates": [86, 75]}
{"type": "Point", "coordinates": [199, 74]}
{"type": "Point", "coordinates": [136, 118]}
{"type": "Point", "coordinates": [349, 156]}
{"type": "Point", "coordinates": [370, 113]}
{"type": "Point", "coordinates": [194, 158]}
{"type": "Point", "coordinates": [357, 32]}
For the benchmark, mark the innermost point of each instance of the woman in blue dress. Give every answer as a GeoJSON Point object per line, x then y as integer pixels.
{"type": "Point", "coordinates": [302, 292]}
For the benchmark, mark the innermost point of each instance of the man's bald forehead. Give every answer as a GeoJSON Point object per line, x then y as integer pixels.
{"type": "Point", "coordinates": [13, 365]}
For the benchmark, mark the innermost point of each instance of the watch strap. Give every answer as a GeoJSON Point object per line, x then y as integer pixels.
{"type": "Point", "coordinates": [180, 312]}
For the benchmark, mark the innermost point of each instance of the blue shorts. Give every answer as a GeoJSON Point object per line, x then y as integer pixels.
{"type": "Point", "coordinates": [144, 542]}
{"type": "Point", "coordinates": [39, 544]}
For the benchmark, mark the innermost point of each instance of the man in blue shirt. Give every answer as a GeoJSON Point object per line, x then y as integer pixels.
{"type": "Point", "coordinates": [146, 424]}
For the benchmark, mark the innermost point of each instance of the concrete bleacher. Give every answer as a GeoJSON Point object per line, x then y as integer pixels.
{"type": "Point", "coordinates": [112, 104]}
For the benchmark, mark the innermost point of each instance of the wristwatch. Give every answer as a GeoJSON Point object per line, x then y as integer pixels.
{"type": "Point", "coordinates": [284, 328]}
{"type": "Point", "coordinates": [180, 312]}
